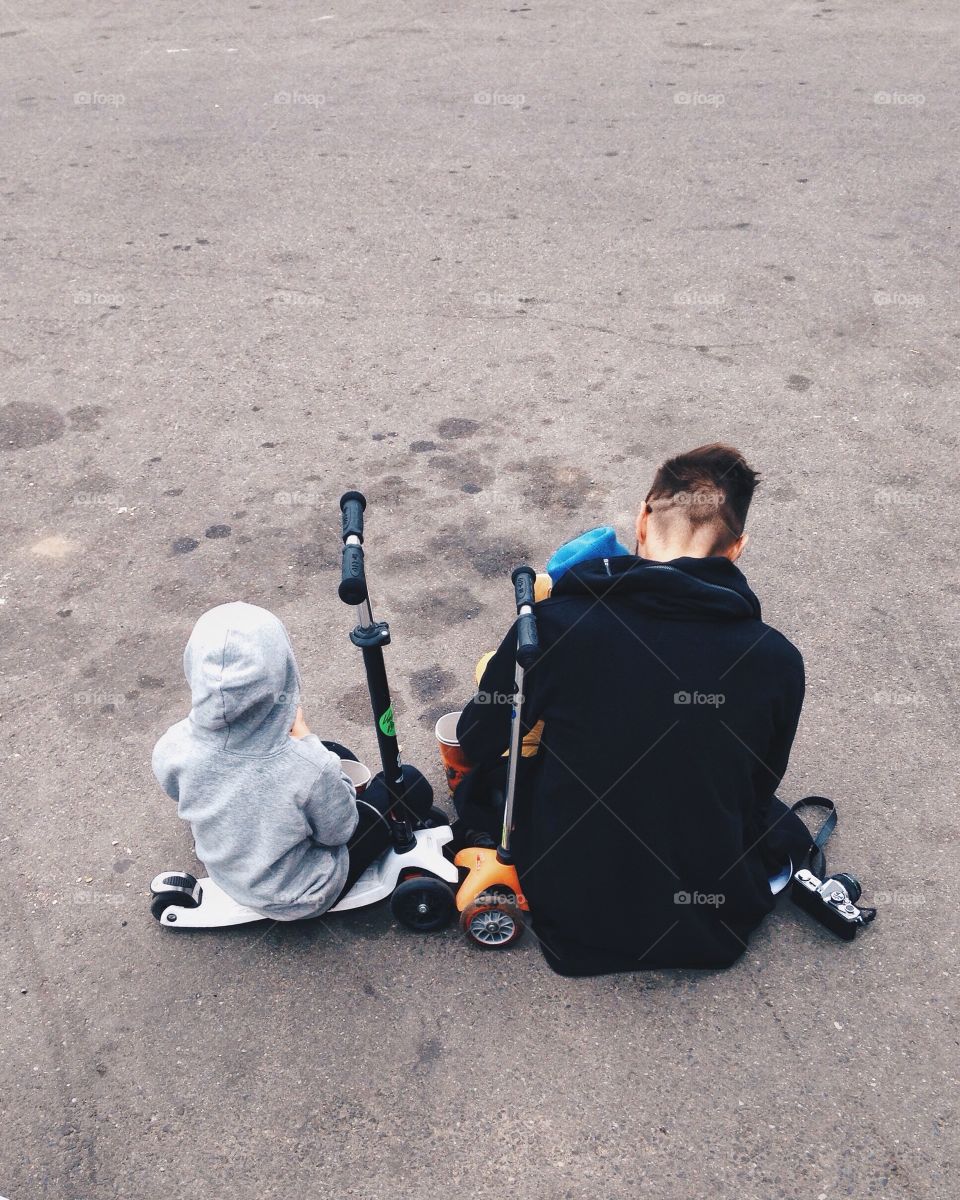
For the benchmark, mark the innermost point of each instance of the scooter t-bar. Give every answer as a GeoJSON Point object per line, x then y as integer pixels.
{"type": "Point", "coordinates": [371, 637]}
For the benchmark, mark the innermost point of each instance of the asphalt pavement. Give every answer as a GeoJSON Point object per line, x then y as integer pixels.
{"type": "Point", "coordinates": [490, 264]}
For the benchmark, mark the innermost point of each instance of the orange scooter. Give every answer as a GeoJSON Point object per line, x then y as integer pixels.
{"type": "Point", "coordinates": [490, 900]}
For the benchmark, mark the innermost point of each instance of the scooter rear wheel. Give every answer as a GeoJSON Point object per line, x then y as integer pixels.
{"type": "Point", "coordinates": [173, 887]}
{"type": "Point", "coordinates": [492, 922]}
{"type": "Point", "coordinates": [423, 903]}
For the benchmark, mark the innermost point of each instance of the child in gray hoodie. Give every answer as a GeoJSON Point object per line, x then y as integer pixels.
{"type": "Point", "coordinates": [274, 818]}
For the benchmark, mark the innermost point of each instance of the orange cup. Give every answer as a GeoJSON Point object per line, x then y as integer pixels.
{"type": "Point", "coordinates": [455, 762]}
{"type": "Point", "coordinates": [357, 773]}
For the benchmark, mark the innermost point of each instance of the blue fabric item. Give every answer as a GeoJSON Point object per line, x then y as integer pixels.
{"type": "Point", "coordinates": [595, 543]}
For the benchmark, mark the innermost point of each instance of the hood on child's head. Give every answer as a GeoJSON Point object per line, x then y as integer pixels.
{"type": "Point", "coordinates": [243, 677]}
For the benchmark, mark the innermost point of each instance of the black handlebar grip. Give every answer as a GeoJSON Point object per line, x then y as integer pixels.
{"type": "Point", "coordinates": [353, 581]}
{"type": "Point", "coordinates": [528, 641]}
{"type": "Point", "coordinates": [352, 505]}
{"type": "Point", "coordinates": [523, 580]}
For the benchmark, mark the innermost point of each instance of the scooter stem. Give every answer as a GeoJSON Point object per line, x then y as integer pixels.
{"type": "Point", "coordinates": [370, 637]}
{"type": "Point", "coordinates": [528, 647]}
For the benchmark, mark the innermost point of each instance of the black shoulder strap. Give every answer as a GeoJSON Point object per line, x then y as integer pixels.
{"type": "Point", "coordinates": [818, 862]}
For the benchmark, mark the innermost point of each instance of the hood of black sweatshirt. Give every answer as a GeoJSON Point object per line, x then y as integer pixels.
{"type": "Point", "coordinates": [691, 589]}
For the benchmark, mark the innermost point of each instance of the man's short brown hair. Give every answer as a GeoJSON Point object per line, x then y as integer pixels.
{"type": "Point", "coordinates": [709, 485]}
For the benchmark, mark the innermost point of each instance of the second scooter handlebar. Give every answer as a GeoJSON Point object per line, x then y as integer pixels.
{"type": "Point", "coordinates": [528, 640]}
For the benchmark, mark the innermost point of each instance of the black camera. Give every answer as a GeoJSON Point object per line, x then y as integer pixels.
{"type": "Point", "coordinates": [832, 901]}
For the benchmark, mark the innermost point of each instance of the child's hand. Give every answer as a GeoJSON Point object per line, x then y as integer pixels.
{"type": "Point", "coordinates": [299, 727]}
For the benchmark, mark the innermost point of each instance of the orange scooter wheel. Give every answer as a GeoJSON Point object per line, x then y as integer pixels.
{"type": "Point", "coordinates": [492, 922]}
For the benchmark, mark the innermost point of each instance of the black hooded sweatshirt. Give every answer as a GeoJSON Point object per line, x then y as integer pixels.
{"type": "Point", "coordinates": [669, 711]}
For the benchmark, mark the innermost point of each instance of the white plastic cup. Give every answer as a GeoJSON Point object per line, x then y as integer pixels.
{"type": "Point", "coordinates": [358, 774]}
{"type": "Point", "coordinates": [456, 765]}
{"type": "Point", "coordinates": [447, 729]}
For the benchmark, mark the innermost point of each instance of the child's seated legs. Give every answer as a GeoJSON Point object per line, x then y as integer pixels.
{"type": "Point", "coordinates": [372, 836]}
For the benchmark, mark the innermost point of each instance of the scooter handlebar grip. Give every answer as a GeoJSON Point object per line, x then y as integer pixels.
{"type": "Point", "coordinates": [352, 505]}
{"type": "Point", "coordinates": [353, 581]}
{"type": "Point", "coordinates": [523, 583]}
{"type": "Point", "coordinates": [528, 640]}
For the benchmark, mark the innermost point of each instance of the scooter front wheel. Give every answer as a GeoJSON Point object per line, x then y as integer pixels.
{"type": "Point", "coordinates": [492, 922]}
{"type": "Point", "coordinates": [423, 903]}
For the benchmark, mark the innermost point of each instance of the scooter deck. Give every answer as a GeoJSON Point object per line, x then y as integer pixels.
{"type": "Point", "coordinates": [217, 910]}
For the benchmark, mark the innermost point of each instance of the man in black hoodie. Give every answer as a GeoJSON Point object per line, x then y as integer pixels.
{"type": "Point", "coordinates": [647, 822]}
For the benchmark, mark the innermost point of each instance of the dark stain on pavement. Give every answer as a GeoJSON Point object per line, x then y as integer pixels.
{"type": "Point", "coordinates": [493, 558]}
{"type": "Point", "coordinates": [184, 545]}
{"type": "Point", "coordinates": [799, 383]}
{"type": "Point", "coordinates": [784, 493]}
{"type": "Point", "coordinates": [404, 560]}
{"type": "Point", "coordinates": [558, 487]}
{"type": "Point", "coordinates": [354, 704]}
{"type": "Point", "coordinates": [23, 425]}
{"type": "Point", "coordinates": [391, 491]}
{"type": "Point", "coordinates": [457, 427]}
{"type": "Point", "coordinates": [432, 682]}
{"type": "Point", "coordinates": [457, 469]}
{"type": "Point", "coordinates": [86, 418]}
{"type": "Point", "coordinates": [217, 531]}
{"type": "Point", "coordinates": [429, 1052]}
{"type": "Point", "coordinates": [314, 557]}
{"type": "Point", "coordinates": [441, 609]}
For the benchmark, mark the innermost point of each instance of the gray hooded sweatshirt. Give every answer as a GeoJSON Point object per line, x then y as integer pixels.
{"type": "Point", "coordinates": [270, 813]}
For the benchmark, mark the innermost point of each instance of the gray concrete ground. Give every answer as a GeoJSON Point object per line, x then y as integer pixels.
{"type": "Point", "coordinates": [490, 264]}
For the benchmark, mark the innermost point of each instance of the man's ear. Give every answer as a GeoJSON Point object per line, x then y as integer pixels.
{"type": "Point", "coordinates": [735, 549]}
{"type": "Point", "coordinates": [642, 520]}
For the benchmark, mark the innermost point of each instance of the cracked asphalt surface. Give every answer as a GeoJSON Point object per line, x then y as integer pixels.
{"type": "Point", "coordinates": [491, 265]}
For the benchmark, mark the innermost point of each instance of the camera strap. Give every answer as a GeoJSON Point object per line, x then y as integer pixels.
{"type": "Point", "coordinates": [818, 862]}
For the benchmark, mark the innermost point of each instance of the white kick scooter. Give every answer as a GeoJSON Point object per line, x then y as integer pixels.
{"type": "Point", "coordinates": [415, 874]}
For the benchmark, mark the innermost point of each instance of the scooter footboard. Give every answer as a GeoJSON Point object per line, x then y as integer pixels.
{"type": "Point", "coordinates": [380, 879]}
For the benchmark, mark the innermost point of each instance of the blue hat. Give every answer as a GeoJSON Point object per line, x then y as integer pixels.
{"type": "Point", "coordinates": [595, 543]}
